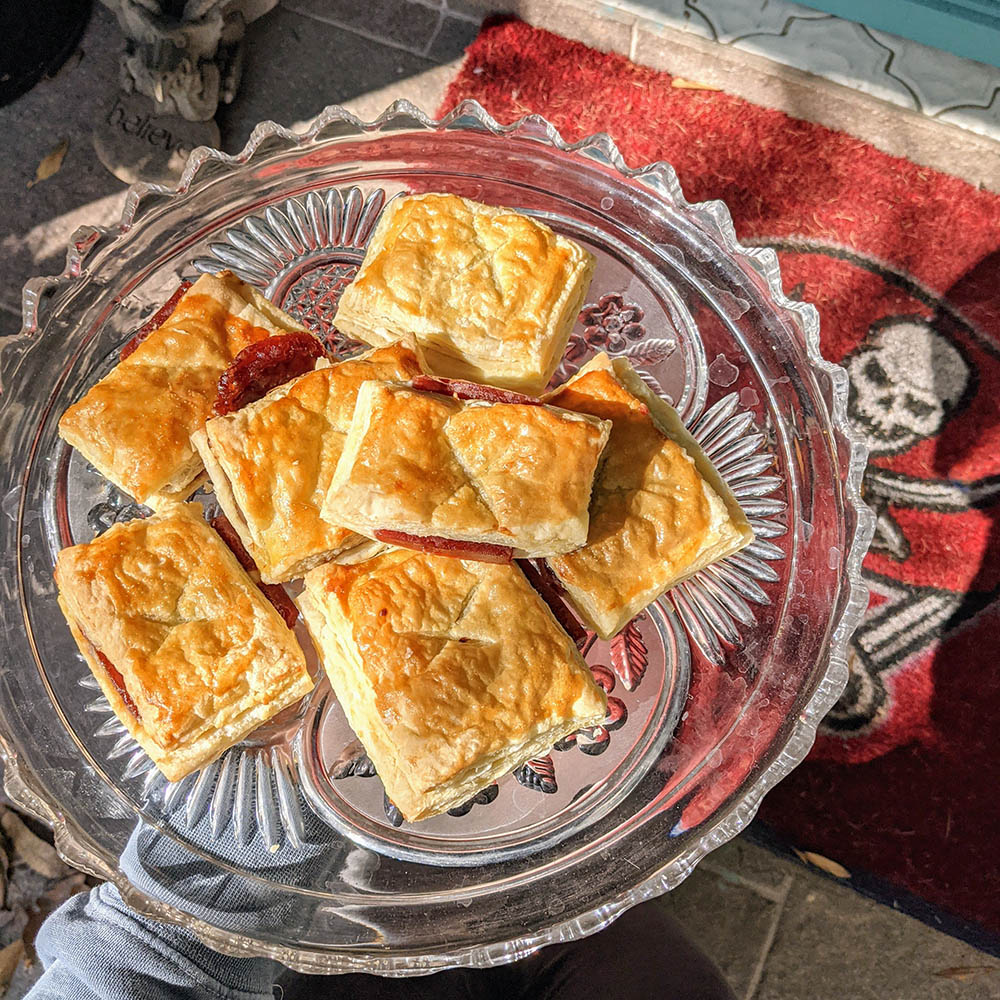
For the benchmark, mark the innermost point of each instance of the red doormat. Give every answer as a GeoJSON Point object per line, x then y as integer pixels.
{"type": "Point", "coordinates": [904, 265]}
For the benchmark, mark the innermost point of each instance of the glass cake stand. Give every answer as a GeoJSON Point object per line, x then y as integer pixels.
{"type": "Point", "coordinates": [287, 846]}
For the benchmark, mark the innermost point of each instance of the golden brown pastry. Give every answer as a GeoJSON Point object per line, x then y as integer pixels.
{"type": "Point", "coordinates": [498, 474]}
{"type": "Point", "coordinates": [660, 510]}
{"type": "Point", "coordinates": [135, 425]}
{"type": "Point", "coordinates": [452, 673]}
{"type": "Point", "coordinates": [272, 462]}
{"type": "Point", "coordinates": [182, 642]}
{"type": "Point", "coordinates": [490, 294]}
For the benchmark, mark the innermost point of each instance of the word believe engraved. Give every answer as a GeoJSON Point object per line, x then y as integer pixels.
{"type": "Point", "coordinates": [143, 127]}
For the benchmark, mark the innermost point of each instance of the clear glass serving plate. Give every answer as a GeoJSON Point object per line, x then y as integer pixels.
{"type": "Point", "coordinates": [286, 846]}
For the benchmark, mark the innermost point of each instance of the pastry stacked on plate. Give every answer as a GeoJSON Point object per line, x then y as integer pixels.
{"type": "Point", "coordinates": [401, 487]}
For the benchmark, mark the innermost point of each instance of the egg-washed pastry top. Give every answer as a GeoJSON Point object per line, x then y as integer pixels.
{"type": "Point", "coordinates": [512, 475]}
{"type": "Point", "coordinates": [272, 462]}
{"type": "Point", "coordinates": [451, 672]}
{"type": "Point", "coordinates": [491, 294]}
{"type": "Point", "coordinates": [660, 511]}
{"type": "Point", "coordinates": [188, 651]}
{"type": "Point", "coordinates": [135, 425]}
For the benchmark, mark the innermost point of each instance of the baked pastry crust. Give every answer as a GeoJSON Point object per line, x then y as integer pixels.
{"type": "Point", "coordinates": [203, 656]}
{"type": "Point", "coordinates": [452, 673]}
{"type": "Point", "coordinates": [511, 474]}
{"type": "Point", "coordinates": [135, 425]}
{"type": "Point", "coordinates": [490, 294]}
{"type": "Point", "coordinates": [272, 463]}
{"type": "Point", "coordinates": [660, 510]}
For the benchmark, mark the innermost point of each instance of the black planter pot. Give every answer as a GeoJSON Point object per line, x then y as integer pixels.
{"type": "Point", "coordinates": [38, 36]}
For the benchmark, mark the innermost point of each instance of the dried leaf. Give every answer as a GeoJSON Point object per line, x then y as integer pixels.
{"type": "Point", "coordinates": [32, 850]}
{"type": "Point", "coordinates": [833, 868]}
{"type": "Point", "coordinates": [19, 917]}
{"type": "Point", "coordinates": [58, 893]}
{"type": "Point", "coordinates": [964, 972]}
{"type": "Point", "coordinates": [4, 870]}
{"type": "Point", "coordinates": [35, 920]}
{"type": "Point", "coordinates": [10, 958]}
{"type": "Point", "coordinates": [682, 84]}
{"type": "Point", "coordinates": [51, 163]}
{"type": "Point", "coordinates": [48, 902]}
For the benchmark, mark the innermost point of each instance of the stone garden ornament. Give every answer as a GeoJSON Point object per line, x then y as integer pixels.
{"type": "Point", "coordinates": [181, 59]}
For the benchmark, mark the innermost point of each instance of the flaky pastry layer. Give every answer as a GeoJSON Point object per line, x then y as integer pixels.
{"type": "Point", "coordinates": [491, 294]}
{"type": "Point", "coordinates": [135, 425]}
{"type": "Point", "coordinates": [509, 474]}
{"type": "Point", "coordinates": [272, 462]}
{"type": "Point", "coordinates": [660, 511]}
{"type": "Point", "coordinates": [450, 672]}
{"type": "Point", "coordinates": [202, 656]}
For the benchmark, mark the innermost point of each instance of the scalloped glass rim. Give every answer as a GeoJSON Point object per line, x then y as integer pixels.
{"type": "Point", "coordinates": [74, 844]}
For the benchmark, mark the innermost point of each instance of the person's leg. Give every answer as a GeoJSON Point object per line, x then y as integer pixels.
{"type": "Point", "coordinates": [644, 955]}
{"type": "Point", "coordinates": [455, 984]}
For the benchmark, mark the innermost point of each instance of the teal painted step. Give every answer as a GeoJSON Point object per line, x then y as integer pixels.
{"type": "Point", "coordinates": [969, 28]}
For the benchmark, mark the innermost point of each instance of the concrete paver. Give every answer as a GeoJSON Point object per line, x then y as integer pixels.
{"type": "Point", "coordinates": [733, 922]}
{"type": "Point", "coordinates": [410, 26]}
{"type": "Point", "coordinates": [805, 937]}
{"type": "Point", "coordinates": [832, 944]}
{"type": "Point", "coordinates": [296, 65]}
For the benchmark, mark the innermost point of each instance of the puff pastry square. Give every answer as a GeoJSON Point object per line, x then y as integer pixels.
{"type": "Point", "coordinates": [135, 425]}
{"type": "Point", "coordinates": [185, 647]}
{"type": "Point", "coordinates": [452, 673]}
{"type": "Point", "coordinates": [490, 294]}
{"type": "Point", "coordinates": [507, 474]}
{"type": "Point", "coordinates": [272, 462]}
{"type": "Point", "coordinates": [660, 510]}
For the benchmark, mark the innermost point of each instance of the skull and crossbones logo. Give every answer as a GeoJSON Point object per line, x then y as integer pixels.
{"type": "Point", "coordinates": [906, 380]}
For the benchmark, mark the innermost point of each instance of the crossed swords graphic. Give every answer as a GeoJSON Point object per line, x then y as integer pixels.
{"type": "Point", "coordinates": [912, 616]}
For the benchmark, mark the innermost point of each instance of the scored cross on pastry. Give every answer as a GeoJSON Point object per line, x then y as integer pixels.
{"type": "Point", "coordinates": [272, 462]}
{"type": "Point", "coordinates": [190, 654]}
{"type": "Point", "coordinates": [660, 510]}
{"type": "Point", "coordinates": [482, 479]}
{"type": "Point", "coordinates": [135, 425]}
{"type": "Point", "coordinates": [451, 672]}
{"type": "Point", "coordinates": [490, 294]}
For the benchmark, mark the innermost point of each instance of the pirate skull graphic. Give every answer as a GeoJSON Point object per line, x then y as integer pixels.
{"type": "Point", "coordinates": [922, 369]}
{"type": "Point", "coordinates": [906, 379]}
